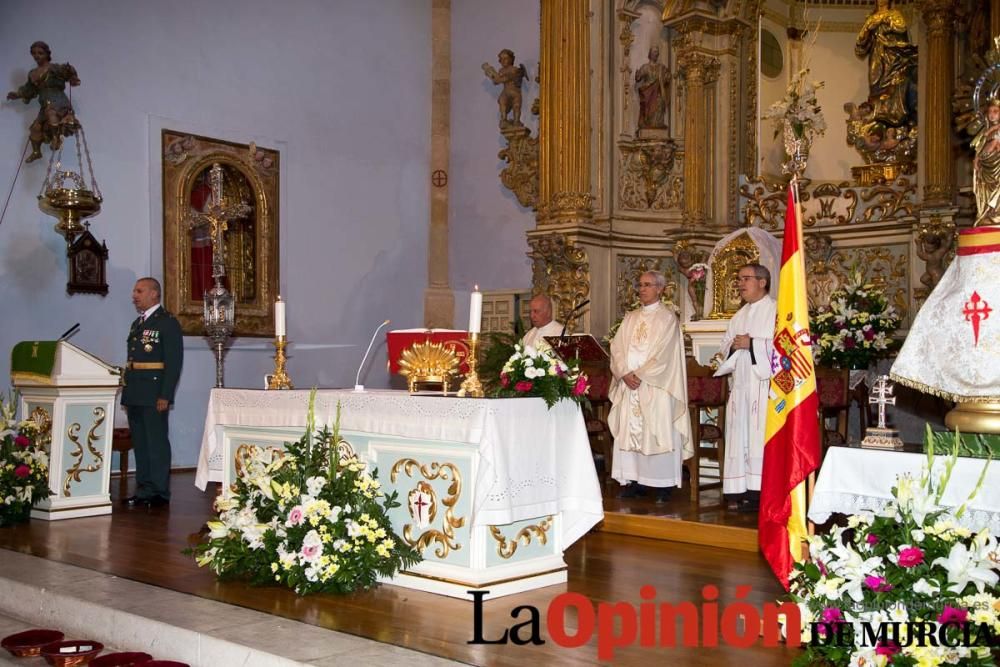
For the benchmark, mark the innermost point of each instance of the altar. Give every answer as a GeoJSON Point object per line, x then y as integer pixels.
{"type": "Point", "coordinates": [492, 490]}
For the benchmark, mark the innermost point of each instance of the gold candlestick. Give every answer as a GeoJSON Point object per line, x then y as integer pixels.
{"type": "Point", "coordinates": [471, 386]}
{"type": "Point", "coordinates": [280, 379]}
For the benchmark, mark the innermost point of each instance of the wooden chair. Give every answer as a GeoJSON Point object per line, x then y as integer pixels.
{"type": "Point", "coordinates": [706, 393]}
{"type": "Point", "coordinates": [121, 442]}
{"type": "Point", "coordinates": [832, 388]}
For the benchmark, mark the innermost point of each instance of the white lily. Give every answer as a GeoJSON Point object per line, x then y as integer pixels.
{"type": "Point", "coordinates": [965, 567]}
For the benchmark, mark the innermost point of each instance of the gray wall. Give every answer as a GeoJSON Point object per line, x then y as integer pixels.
{"type": "Point", "coordinates": [342, 89]}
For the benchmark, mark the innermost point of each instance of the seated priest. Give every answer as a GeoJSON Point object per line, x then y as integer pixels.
{"type": "Point", "coordinates": [649, 413]}
{"type": "Point", "coordinates": [542, 324]}
{"type": "Point", "coordinates": [746, 349]}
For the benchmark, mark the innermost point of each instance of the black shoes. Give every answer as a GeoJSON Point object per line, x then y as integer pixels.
{"type": "Point", "coordinates": [158, 501]}
{"type": "Point", "coordinates": [663, 495]}
{"type": "Point", "coordinates": [632, 490]}
{"type": "Point", "coordinates": [134, 501]}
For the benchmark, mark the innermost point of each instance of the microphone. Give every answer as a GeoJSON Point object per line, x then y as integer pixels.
{"type": "Point", "coordinates": [579, 306]}
{"type": "Point", "coordinates": [358, 387]}
{"type": "Point", "coordinates": [69, 332]}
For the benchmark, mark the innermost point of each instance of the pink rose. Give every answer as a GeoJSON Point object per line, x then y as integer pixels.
{"type": "Point", "coordinates": [953, 615]}
{"type": "Point", "coordinates": [504, 379]}
{"type": "Point", "coordinates": [22, 471]}
{"type": "Point", "coordinates": [910, 557]}
{"type": "Point", "coordinates": [832, 615]}
{"type": "Point", "coordinates": [872, 539]}
{"type": "Point", "coordinates": [869, 334]}
{"type": "Point", "coordinates": [887, 649]}
{"type": "Point", "coordinates": [849, 343]}
{"type": "Point", "coordinates": [295, 516]}
{"type": "Point", "coordinates": [580, 388]}
{"type": "Point", "coordinates": [22, 441]}
{"type": "Point", "coordinates": [523, 385]}
{"type": "Point", "coordinates": [878, 584]}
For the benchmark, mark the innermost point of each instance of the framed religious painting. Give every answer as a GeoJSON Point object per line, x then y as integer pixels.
{"type": "Point", "coordinates": [244, 202]}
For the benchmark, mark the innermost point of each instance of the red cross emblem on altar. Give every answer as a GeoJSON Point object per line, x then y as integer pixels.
{"type": "Point", "coordinates": [422, 504]}
{"type": "Point", "coordinates": [976, 310]}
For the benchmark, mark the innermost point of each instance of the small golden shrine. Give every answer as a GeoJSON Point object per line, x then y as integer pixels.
{"type": "Point", "coordinates": [429, 364]}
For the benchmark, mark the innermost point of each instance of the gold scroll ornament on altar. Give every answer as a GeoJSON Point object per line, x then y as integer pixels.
{"type": "Point", "coordinates": [429, 363]}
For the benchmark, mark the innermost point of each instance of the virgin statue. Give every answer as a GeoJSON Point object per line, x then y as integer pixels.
{"type": "Point", "coordinates": [986, 167]}
{"type": "Point", "coordinates": [652, 83]}
{"type": "Point", "coordinates": [892, 62]}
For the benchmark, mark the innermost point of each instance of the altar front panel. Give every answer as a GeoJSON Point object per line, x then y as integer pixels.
{"type": "Point", "coordinates": [491, 509]}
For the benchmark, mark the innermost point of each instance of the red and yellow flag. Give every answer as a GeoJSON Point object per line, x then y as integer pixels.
{"type": "Point", "coordinates": [792, 447]}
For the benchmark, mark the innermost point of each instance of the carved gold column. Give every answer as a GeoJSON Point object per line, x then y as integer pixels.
{"type": "Point", "coordinates": [939, 166]}
{"type": "Point", "coordinates": [439, 301]}
{"type": "Point", "coordinates": [994, 17]}
{"type": "Point", "coordinates": [698, 71]}
{"type": "Point", "coordinates": [564, 122]}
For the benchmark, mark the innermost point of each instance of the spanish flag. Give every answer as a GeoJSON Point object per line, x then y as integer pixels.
{"type": "Point", "coordinates": [792, 448]}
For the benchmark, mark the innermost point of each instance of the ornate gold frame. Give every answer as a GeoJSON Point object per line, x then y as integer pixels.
{"type": "Point", "coordinates": [183, 157]}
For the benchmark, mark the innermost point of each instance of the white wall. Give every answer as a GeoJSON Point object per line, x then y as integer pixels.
{"type": "Point", "coordinates": [341, 88]}
{"type": "Point", "coordinates": [487, 225]}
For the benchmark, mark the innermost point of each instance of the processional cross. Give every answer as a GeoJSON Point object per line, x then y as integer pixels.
{"type": "Point", "coordinates": [882, 396]}
{"type": "Point", "coordinates": [220, 307]}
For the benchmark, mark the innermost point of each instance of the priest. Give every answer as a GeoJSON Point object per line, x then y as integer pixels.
{"type": "Point", "coordinates": [542, 324]}
{"type": "Point", "coordinates": [649, 414]}
{"type": "Point", "coordinates": [746, 350]}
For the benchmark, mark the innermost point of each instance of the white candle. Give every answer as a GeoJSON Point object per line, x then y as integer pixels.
{"type": "Point", "coordinates": [279, 318]}
{"type": "Point", "coordinates": [475, 310]}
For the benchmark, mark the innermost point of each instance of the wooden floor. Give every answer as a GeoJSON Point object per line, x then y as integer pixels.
{"type": "Point", "coordinates": [145, 545]}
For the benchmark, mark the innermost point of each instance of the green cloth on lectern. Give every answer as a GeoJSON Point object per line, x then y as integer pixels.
{"type": "Point", "coordinates": [33, 359]}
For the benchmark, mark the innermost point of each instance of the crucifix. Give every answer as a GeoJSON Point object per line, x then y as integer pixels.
{"type": "Point", "coordinates": [220, 306]}
{"type": "Point", "coordinates": [882, 396]}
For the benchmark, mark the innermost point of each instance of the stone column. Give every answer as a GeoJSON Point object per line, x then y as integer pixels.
{"type": "Point", "coordinates": [698, 71]}
{"type": "Point", "coordinates": [439, 300]}
{"type": "Point", "coordinates": [994, 19]}
{"type": "Point", "coordinates": [935, 115]}
{"type": "Point", "coordinates": [564, 119]}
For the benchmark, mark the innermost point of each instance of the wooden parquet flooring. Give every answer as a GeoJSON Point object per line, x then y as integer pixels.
{"type": "Point", "coordinates": [146, 546]}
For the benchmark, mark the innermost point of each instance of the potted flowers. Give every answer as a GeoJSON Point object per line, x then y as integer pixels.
{"type": "Point", "coordinates": [913, 567]}
{"type": "Point", "coordinates": [309, 517]}
{"type": "Point", "coordinates": [856, 328]}
{"type": "Point", "coordinates": [530, 372]}
{"type": "Point", "coordinates": [24, 465]}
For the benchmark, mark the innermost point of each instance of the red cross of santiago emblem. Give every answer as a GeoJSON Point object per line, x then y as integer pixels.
{"type": "Point", "coordinates": [976, 310]}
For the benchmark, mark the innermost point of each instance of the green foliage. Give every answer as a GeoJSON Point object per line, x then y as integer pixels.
{"type": "Point", "coordinates": [309, 518]}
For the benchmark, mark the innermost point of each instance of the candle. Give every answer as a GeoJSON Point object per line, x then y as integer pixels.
{"type": "Point", "coordinates": [475, 310]}
{"type": "Point", "coordinates": [279, 318]}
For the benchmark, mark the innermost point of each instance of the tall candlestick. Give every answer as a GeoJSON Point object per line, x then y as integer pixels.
{"type": "Point", "coordinates": [475, 310]}
{"type": "Point", "coordinates": [279, 318]}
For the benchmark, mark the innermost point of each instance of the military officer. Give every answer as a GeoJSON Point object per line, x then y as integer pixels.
{"type": "Point", "coordinates": [155, 356]}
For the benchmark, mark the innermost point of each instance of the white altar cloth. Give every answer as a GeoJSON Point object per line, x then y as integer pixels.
{"type": "Point", "coordinates": [533, 461]}
{"type": "Point", "coordinates": [852, 480]}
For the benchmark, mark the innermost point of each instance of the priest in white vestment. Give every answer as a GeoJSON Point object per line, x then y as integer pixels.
{"type": "Point", "coordinates": [649, 413]}
{"type": "Point", "coordinates": [746, 350]}
{"type": "Point", "coordinates": [542, 324]}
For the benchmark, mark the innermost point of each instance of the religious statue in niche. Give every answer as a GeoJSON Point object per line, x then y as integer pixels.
{"type": "Point", "coordinates": [511, 77]}
{"type": "Point", "coordinates": [47, 81]}
{"type": "Point", "coordinates": [652, 83]}
{"type": "Point", "coordinates": [883, 128]}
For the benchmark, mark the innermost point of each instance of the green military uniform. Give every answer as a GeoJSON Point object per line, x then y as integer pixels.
{"type": "Point", "coordinates": [155, 356]}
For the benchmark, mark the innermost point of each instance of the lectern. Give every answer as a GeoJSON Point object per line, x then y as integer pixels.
{"type": "Point", "coordinates": [71, 393]}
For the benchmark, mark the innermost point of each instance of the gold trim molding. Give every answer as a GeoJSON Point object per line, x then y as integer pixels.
{"type": "Point", "coordinates": [507, 548]}
{"type": "Point", "coordinates": [560, 269]}
{"type": "Point", "coordinates": [77, 469]}
{"type": "Point", "coordinates": [444, 538]}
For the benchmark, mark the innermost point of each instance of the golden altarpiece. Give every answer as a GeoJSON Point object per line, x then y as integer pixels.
{"type": "Point", "coordinates": [651, 145]}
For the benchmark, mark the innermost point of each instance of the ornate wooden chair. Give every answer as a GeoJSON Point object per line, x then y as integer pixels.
{"type": "Point", "coordinates": [833, 390]}
{"type": "Point", "coordinates": [706, 393]}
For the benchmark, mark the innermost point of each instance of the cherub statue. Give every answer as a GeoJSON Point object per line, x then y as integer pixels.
{"type": "Point", "coordinates": [511, 77]}
{"type": "Point", "coordinates": [932, 247]}
{"type": "Point", "coordinates": [47, 81]}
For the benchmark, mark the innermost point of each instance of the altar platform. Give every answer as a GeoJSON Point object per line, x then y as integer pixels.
{"type": "Point", "coordinates": [138, 546]}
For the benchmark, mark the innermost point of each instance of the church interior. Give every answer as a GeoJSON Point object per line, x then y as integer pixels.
{"type": "Point", "coordinates": [563, 148]}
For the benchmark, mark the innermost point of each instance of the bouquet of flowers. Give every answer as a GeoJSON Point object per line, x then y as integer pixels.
{"type": "Point", "coordinates": [907, 586]}
{"type": "Point", "coordinates": [310, 517]}
{"type": "Point", "coordinates": [24, 465]}
{"type": "Point", "coordinates": [856, 328]}
{"type": "Point", "coordinates": [798, 111]}
{"type": "Point", "coordinates": [530, 372]}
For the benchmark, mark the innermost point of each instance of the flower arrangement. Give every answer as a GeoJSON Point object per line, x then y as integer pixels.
{"type": "Point", "coordinates": [530, 372]}
{"type": "Point", "coordinates": [309, 518]}
{"type": "Point", "coordinates": [799, 110]}
{"type": "Point", "coordinates": [911, 563]}
{"type": "Point", "coordinates": [24, 465]}
{"type": "Point", "coordinates": [856, 327]}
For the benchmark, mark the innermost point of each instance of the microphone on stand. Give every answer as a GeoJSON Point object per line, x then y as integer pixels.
{"type": "Point", "coordinates": [70, 332]}
{"type": "Point", "coordinates": [579, 306]}
{"type": "Point", "coordinates": [358, 387]}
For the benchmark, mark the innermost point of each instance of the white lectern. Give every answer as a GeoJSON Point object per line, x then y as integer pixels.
{"type": "Point", "coordinates": [76, 400]}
